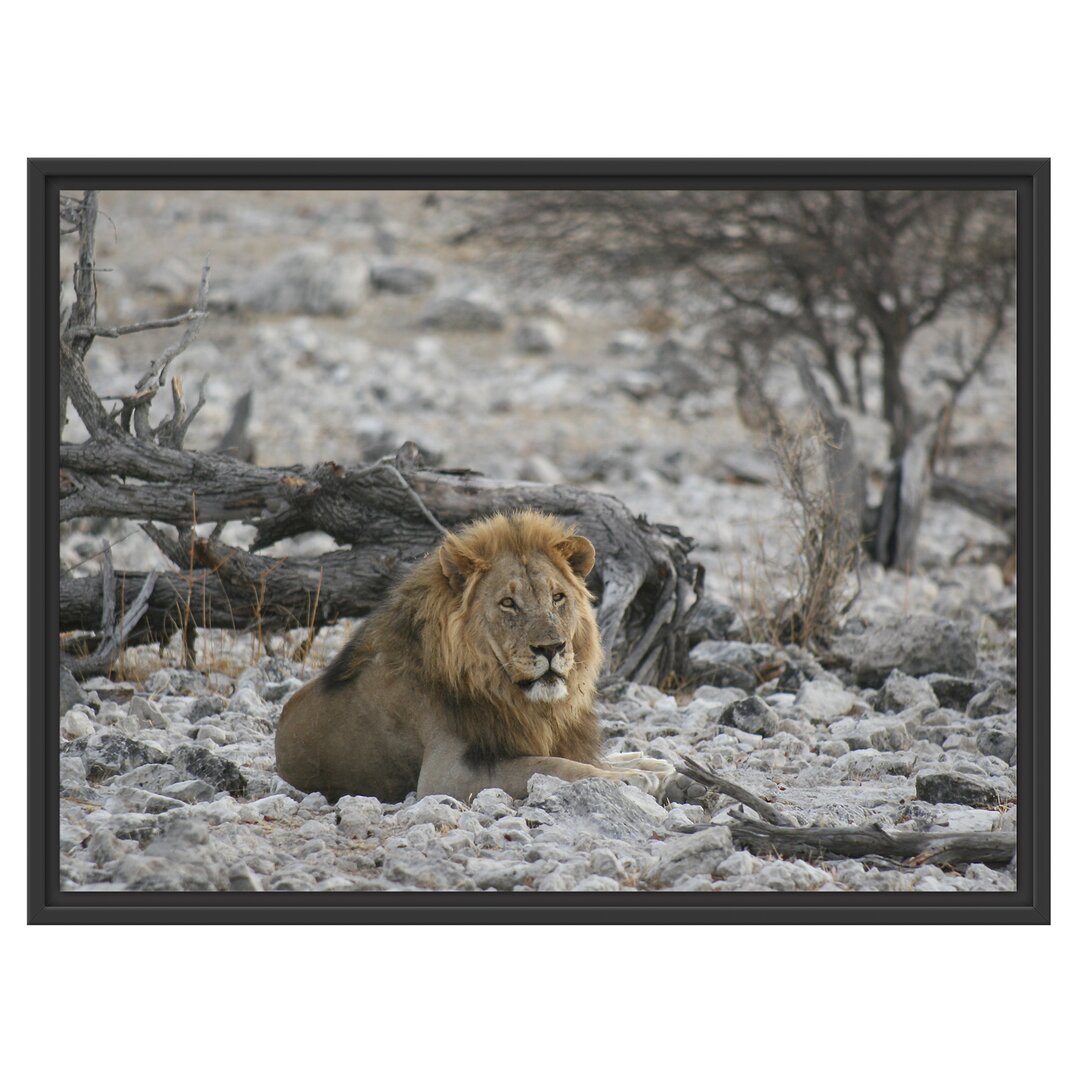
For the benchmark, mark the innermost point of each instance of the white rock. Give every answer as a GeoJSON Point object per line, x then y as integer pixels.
{"type": "Point", "coordinates": [75, 723]}
{"type": "Point", "coordinates": [823, 700]}
{"type": "Point", "coordinates": [358, 816]}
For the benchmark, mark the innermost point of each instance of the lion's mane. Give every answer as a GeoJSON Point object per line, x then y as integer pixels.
{"type": "Point", "coordinates": [425, 636]}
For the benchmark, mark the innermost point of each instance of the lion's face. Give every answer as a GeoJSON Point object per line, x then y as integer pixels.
{"type": "Point", "coordinates": [524, 609]}
{"type": "Point", "coordinates": [526, 612]}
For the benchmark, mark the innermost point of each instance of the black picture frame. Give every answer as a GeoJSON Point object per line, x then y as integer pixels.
{"type": "Point", "coordinates": [1028, 178]}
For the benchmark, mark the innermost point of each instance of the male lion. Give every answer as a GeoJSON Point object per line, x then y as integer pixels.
{"type": "Point", "coordinates": [478, 672]}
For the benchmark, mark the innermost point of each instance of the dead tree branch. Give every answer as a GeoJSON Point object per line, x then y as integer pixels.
{"type": "Point", "coordinates": [114, 632]}
{"type": "Point", "coordinates": [951, 849]}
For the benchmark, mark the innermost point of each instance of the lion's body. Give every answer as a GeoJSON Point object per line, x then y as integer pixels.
{"type": "Point", "coordinates": [479, 671]}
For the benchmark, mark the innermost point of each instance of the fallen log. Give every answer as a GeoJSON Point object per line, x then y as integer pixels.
{"type": "Point", "coordinates": [389, 515]}
{"type": "Point", "coordinates": [941, 849]}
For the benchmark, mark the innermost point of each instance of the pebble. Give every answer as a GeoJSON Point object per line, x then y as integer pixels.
{"type": "Point", "coordinates": [823, 699]}
{"type": "Point", "coordinates": [752, 715]}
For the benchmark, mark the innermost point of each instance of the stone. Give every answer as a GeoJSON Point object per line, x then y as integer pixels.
{"type": "Point", "coordinates": [472, 311]}
{"type": "Point", "coordinates": [492, 803]}
{"type": "Point", "coordinates": [716, 697]}
{"type": "Point", "coordinates": [917, 644]}
{"type": "Point", "coordinates": [688, 856]}
{"type": "Point", "coordinates": [593, 806]}
{"type": "Point", "coordinates": [104, 847]}
{"type": "Point", "coordinates": [401, 278]}
{"type": "Point", "coordinates": [629, 343]}
{"type": "Point", "coordinates": [72, 836]}
{"type": "Point", "coordinates": [707, 665]}
{"type": "Point", "coordinates": [538, 336]}
{"type": "Point", "coordinates": [738, 864]}
{"type": "Point", "coordinates": [210, 705]}
{"type": "Point", "coordinates": [310, 281]}
{"type": "Point", "coordinates": [823, 699]}
{"type": "Point", "coordinates": [212, 733]}
{"type": "Point", "coordinates": [680, 371]}
{"type": "Point", "coordinates": [190, 791]}
{"type": "Point", "coordinates": [71, 694]}
{"type": "Point", "coordinates": [314, 802]}
{"type": "Point", "coordinates": [147, 713]}
{"type": "Point", "coordinates": [995, 700]}
{"type": "Point", "coordinates": [951, 691]}
{"type": "Point", "coordinates": [72, 772]}
{"type": "Point", "coordinates": [791, 876]}
{"type": "Point", "coordinates": [155, 777]}
{"type": "Point", "coordinates": [878, 733]}
{"type": "Point", "coordinates": [603, 863]}
{"type": "Point", "coordinates": [108, 753]}
{"type": "Point", "coordinates": [752, 715]}
{"type": "Point", "coordinates": [951, 787]}
{"type": "Point", "coordinates": [644, 802]}
{"type": "Point", "coordinates": [902, 692]}
{"type": "Point", "coordinates": [432, 810]}
{"type": "Point", "coordinates": [203, 764]}
{"type": "Point", "coordinates": [709, 621]}
{"type": "Point", "coordinates": [273, 807]}
{"type": "Point", "coordinates": [243, 879]}
{"type": "Point", "coordinates": [997, 742]}
{"type": "Point", "coordinates": [358, 816]}
{"type": "Point", "coordinates": [790, 679]}
{"type": "Point", "coordinates": [278, 691]}
{"type": "Point", "coordinates": [596, 883]}
{"type": "Point", "coordinates": [75, 724]}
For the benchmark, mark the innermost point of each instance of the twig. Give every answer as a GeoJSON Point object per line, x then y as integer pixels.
{"type": "Point", "coordinates": [161, 365]}
{"type": "Point", "coordinates": [139, 327]}
{"type": "Point", "coordinates": [391, 467]}
{"type": "Point", "coordinates": [113, 633]}
{"type": "Point", "coordinates": [696, 771]}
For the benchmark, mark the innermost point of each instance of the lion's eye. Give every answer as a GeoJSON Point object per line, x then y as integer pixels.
{"type": "Point", "coordinates": [558, 598]}
{"type": "Point", "coordinates": [507, 602]}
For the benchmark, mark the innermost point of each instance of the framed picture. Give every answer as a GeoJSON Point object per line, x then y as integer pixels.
{"type": "Point", "coordinates": [539, 541]}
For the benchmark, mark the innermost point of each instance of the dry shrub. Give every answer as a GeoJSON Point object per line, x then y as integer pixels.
{"type": "Point", "coordinates": [806, 600]}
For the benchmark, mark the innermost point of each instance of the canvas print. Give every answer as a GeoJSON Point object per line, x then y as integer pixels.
{"type": "Point", "coordinates": [538, 541]}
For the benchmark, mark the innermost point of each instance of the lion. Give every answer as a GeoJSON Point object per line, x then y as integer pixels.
{"type": "Point", "coordinates": [478, 672]}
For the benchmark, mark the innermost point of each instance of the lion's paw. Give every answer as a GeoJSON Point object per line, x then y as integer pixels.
{"type": "Point", "coordinates": [652, 775]}
{"type": "Point", "coordinates": [681, 789]}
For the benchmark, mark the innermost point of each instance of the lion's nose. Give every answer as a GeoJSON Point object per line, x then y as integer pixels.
{"type": "Point", "coordinates": [549, 651]}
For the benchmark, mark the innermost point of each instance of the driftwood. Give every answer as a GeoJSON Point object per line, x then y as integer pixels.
{"type": "Point", "coordinates": [952, 849]}
{"type": "Point", "coordinates": [384, 517]}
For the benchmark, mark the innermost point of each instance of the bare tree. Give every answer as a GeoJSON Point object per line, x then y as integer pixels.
{"type": "Point", "coordinates": [840, 276]}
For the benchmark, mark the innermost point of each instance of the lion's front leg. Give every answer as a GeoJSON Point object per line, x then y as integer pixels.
{"type": "Point", "coordinates": [648, 773]}
{"type": "Point", "coordinates": [446, 770]}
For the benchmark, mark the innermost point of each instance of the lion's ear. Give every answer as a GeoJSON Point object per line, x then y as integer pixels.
{"type": "Point", "coordinates": [579, 553]}
{"type": "Point", "coordinates": [457, 565]}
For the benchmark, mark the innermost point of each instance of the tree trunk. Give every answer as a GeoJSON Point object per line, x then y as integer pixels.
{"type": "Point", "coordinates": [900, 513]}
{"type": "Point", "coordinates": [895, 406]}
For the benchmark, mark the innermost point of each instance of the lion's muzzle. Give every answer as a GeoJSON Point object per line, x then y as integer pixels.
{"type": "Point", "coordinates": [551, 665]}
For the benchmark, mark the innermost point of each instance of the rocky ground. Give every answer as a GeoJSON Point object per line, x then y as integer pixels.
{"type": "Point", "coordinates": [358, 325]}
